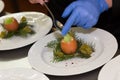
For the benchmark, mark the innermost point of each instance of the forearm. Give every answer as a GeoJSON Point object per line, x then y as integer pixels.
{"type": "Point", "coordinates": [109, 2]}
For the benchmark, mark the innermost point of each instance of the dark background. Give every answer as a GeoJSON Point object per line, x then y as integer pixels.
{"type": "Point", "coordinates": [22, 5]}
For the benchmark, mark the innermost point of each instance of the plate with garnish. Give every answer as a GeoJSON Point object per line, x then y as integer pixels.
{"type": "Point", "coordinates": [21, 29]}
{"type": "Point", "coordinates": [77, 52]}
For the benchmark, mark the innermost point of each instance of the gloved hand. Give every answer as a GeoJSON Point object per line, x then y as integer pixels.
{"type": "Point", "coordinates": [83, 13]}
{"type": "Point", "coordinates": [38, 1]}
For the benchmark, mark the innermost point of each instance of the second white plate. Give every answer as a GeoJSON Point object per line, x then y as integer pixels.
{"type": "Point", "coordinates": [111, 70]}
{"type": "Point", "coordinates": [42, 25]}
{"type": "Point", "coordinates": [21, 74]}
{"type": "Point", "coordinates": [40, 57]}
{"type": "Point", "coordinates": [1, 6]}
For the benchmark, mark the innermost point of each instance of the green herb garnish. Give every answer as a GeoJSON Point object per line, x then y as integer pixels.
{"type": "Point", "coordinates": [23, 30]}
{"type": "Point", "coordinates": [84, 50]}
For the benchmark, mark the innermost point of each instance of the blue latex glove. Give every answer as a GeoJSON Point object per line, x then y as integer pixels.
{"type": "Point", "coordinates": [83, 13]}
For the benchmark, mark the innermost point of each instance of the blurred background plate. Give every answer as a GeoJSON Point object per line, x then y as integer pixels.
{"type": "Point", "coordinates": [21, 74]}
{"type": "Point", "coordinates": [42, 25]}
{"type": "Point", "coordinates": [111, 70]}
{"type": "Point", "coordinates": [1, 5]}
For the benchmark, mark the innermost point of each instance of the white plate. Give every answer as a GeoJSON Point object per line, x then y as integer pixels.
{"type": "Point", "coordinates": [21, 74]}
{"type": "Point", "coordinates": [42, 25]}
{"type": "Point", "coordinates": [105, 47]}
{"type": "Point", "coordinates": [20, 63]}
{"type": "Point", "coordinates": [1, 5]}
{"type": "Point", "coordinates": [111, 70]}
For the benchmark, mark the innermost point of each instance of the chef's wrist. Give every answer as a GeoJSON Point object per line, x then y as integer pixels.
{"type": "Point", "coordinates": [109, 2]}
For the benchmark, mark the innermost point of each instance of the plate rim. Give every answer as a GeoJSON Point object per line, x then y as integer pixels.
{"type": "Point", "coordinates": [21, 71]}
{"type": "Point", "coordinates": [2, 5]}
{"type": "Point", "coordinates": [90, 69]}
{"type": "Point", "coordinates": [106, 66]}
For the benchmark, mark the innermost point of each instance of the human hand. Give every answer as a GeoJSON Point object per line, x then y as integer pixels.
{"type": "Point", "coordinates": [38, 1]}
{"type": "Point", "coordinates": [83, 13]}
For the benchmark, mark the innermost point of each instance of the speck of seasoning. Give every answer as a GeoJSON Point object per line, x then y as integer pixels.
{"type": "Point", "coordinates": [72, 63]}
